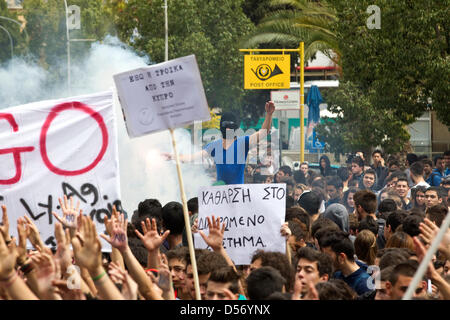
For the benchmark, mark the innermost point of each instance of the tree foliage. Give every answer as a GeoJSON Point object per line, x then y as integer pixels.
{"type": "Point", "coordinates": [18, 38]}
{"type": "Point", "coordinates": [359, 126]}
{"type": "Point", "coordinates": [46, 25]}
{"type": "Point", "coordinates": [404, 65]}
{"type": "Point", "coordinates": [256, 10]}
{"type": "Point", "coordinates": [294, 21]}
{"type": "Point", "coordinates": [210, 29]}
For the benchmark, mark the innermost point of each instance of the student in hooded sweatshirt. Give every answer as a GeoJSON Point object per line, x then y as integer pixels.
{"type": "Point", "coordinates": [337, 213]}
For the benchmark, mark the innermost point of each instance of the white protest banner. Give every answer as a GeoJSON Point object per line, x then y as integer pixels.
{"type": "Point", "coordinates": [162, 96]}
{"type": "Point", "coordinates": [253, 215]}
{"type": "Point", "coordinates": [56, 147]}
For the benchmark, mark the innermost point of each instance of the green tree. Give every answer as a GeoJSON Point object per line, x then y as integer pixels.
{"type": "Point", "coordinates": [404, 65]}
{"type": "Point", "coordinates": [46, 25]}
{"type": "Point", "coordinates": [209, 29]}
{"type": "Point", "coordinates": [296, 21]}
{"type": "Point", "coordinates": [358, 126]}
{"type": "Point", "coordinates": [19, 40]}
{"type": "Point", "coordinates": [256, 10]}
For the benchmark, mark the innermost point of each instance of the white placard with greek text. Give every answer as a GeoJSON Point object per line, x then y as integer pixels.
{"type": "Point", "coordinates": [56, 147]}
{"type": "Point", "coordinates": [253, 215]}
{"type": "Point", "coordinates": [162, 96]}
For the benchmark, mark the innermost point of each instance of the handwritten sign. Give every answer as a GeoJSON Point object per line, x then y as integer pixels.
{"type": "Point", "coordinates": [162, 96]}
{"type": "Point", "coordinates": [253, 215]}
{"type": "Point", "coordinates": [56, 147]}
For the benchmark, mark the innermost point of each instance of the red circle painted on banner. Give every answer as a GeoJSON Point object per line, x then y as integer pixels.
{"type": "Point", "coordinates": [43, 137]}
{"type": "Point", "coordinates": [286, 97]}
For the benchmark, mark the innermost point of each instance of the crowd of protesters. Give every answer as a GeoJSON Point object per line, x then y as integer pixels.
{"type": "Point", "coordinates": [355, 232]}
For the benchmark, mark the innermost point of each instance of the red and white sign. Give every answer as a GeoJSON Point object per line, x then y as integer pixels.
{"type": "Point", "coordinates": [286, 99]}
{"type": "Point", "coordinates": [56, 147]}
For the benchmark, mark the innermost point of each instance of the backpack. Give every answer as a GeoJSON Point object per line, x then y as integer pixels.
{"type": "Point", "coordinates": [431, 177]}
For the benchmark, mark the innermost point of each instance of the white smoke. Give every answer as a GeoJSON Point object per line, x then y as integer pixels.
{"type": "Point", "coordinates": [143, 172]}
{"type": "Point", "coordinates": [20, 82]}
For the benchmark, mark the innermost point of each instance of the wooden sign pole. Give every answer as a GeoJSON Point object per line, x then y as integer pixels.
{"type": "Point", "coordinates": [186, 219]}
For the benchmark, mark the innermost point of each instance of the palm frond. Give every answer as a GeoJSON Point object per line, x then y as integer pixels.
{"type": "Point", "coordinates": [309, 21]}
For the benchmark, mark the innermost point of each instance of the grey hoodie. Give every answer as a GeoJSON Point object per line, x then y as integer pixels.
{"type": "Point", "coordinates": [337, 213]}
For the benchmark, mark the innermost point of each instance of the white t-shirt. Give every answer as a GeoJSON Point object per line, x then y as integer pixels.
{"type": "Point", "coordinates": [322, 207]}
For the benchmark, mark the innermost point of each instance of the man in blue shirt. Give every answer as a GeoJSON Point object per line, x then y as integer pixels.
{"type": "Point", "coordinates": [230, 152]}
{"type": "Point", "coordinates": [438, 172]}
{"type": "Point", "coordinates": [340, 248]}
{"type": "Point", "coordinates": [447, 163]}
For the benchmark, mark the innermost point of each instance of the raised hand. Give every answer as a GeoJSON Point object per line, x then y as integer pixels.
{"type": "Point", "coordinates": [270, 107]}
{"type": "Point", "coordinates": [228, 294]}
{"type": "Point", "coordinates": [109, 222]}
{"type": "Point", "coordinates": [88, 255]}
{"type": "Point", "coordinates": [13, 284]}
{"type": "Point", "coordinates": [298, 288]}
{"type": "Point", "coordinates": [70, 213]}
{"type": "Point", "coordinates": [442, 285]}
{"type": "Point", "coordinates": [44, 272]}
{"type": "Point", "coordinates": [360, 154]}
{"type": "Point", "coordinates": [8, 257]}
{"type": "Point", "coordinates": [164, 274]}
{"type": "Point", "coordinates": [87, 251]}
{"type": "Point", "coordinates": [151, 239]}
{"type": "Point", "coordinates": [215, 236]}
{"type": "Point", "coordinates": [63, 255]}
{"type": "Point", "coordinates": [311, 294]}
{"type": "Point", "coordinates": [312, 291]}
{"type": "Point", "coordinates": [194, 227]}
{"type": "Point", "coordinates": [421, 251]}
{"type": "Point", "coordinates": [117, 230]}
{"type": "Point", "coordinates": [428, 231]}
{"type": "Point", "coordinates": [33, 234]}
{"type": "Point", "coordinates": [285, 231]}
{"type": "Point", "coordinates": [61, 288]}
{"type": "Point", "coordinates": [22, 247]}
{"type": "Point", "coordinates": [129, 286]}
{"type": "Point", "coordinates": [4, 226]}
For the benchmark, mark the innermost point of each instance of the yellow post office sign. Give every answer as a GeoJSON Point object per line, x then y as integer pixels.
{"type": "Point", "coordinates": [267, 71]}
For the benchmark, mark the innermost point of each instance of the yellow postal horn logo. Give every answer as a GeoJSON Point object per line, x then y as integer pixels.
{"type": "Point", "coordinates": [264, 72]}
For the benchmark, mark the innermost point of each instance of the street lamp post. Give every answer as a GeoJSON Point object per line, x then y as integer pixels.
{"type": "Point", "coordinates": [69, 86]}
{"type": "Point", "coordinates": [68, 49]}
{"type": "Point", "coordinates": [18, 23]}
{"type": "Point", "coordinates": [10, 40]}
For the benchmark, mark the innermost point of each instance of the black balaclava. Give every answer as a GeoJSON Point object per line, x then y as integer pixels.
{"type": "Point", "coordinates": [228, 121]}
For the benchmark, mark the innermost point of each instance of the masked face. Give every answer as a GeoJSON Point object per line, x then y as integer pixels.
{"type": "Point", "coordinates": [227, 126]}
{"type": "Point", "coordinates": [224, 132]}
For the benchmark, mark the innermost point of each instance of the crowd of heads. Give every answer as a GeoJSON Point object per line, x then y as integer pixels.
{"type": "Point", "coordinates": [354, 232]}
{"type": "Point", "coordinates": [362, 213]}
